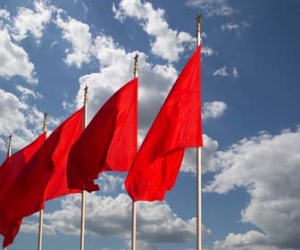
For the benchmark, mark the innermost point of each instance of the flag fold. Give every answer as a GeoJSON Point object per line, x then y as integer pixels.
{"type": "Point", "coordinates": [176, 127]}
{"type": "Point", "coordinates": [41, 179]}
{"type": "Point", "coordinates": [9, 172]}
{"type": "Point", "coordinates": [109, 142]}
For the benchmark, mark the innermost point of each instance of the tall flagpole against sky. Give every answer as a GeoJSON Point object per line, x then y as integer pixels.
{"type": "Point", "coordinates": [83, 193]}
{"type": "Point", "coordinates": [9, 146]}
{"type": "Point", "coordinates": [133, 229]}
{"type": "Point", "coordinates": [41, 213]}
{"type": "Point", "coordinates": [199, 172]}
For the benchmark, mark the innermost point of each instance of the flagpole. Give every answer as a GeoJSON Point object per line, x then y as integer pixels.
{"type": "Point", "coordinates": [83, 193]}
{"type": "Point", "coordinates": [199, 177]}
{"type": "Point", "coordinates": [8, 154]}
{"type": "Point", "coordinates": [9, 145]}
{"type": "Point", "coordinates": [41, 215]}
{"type": "Point", "coordinates": [133, 230]}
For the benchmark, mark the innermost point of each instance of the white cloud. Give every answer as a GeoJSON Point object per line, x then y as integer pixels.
{"type": "Point", "coordinates": [167, 43]}
{"type": "Point", "coordinates": [79, 36]}
{"type": "Point", "coordinates": [24, 122]}
{"type": "Point", "coordinates": [32, 227]}
{"type": "Point", "coordinates": [213, 110]}
{"type": "Point", "coordinates": [14, 60]}
{"type": "Point", "coordinates": [26, 93]}
{"type": "Point", "coordinates": [234, 27]}
{"type": "Point", "coordinates": [111, 217]}
{"type": "Point", "coordinates": [12, 120]}
{"type": "Point", "coordinates": [250, 240]}
{"type": "Point", "coordinates": [4, 14]}
{"type": "Point", "coordinates": [268, 167]}
{"type": "Point", "coordinates": [208, 161]}
{"type": "Point", "coordinates": [207, 51]}
{"type": "Point", "coordinates": [117, 69]}
{"type": "Point", "coordinates": [31, 21]}
{"type": "Point", "coordinates": [221, 72]}
{"type": "Point", "coordinates": [230, 27]}
{"type": "Point", "coordinates": [235, 72]}
{"type": "Point", "coordinates": [212, 7]}
{"type": "Point", "coordinates": [109, 183]}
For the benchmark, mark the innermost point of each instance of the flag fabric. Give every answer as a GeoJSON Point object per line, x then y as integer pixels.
{"type": "Point", "coordinates": [34, 184]}
{"type": "Point", "coordinates": [13, 165]}
{"type": "Point", "coordinates": [109, 142]}
{"type": "Point", "coordinates": [176, 127]}
{"type": "Point", "coordinates": [9, 172]}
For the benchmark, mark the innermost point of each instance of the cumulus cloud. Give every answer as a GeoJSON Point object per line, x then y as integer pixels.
{"type": "Point", "coordinates": [167, 43]}
{"type": "Point", "coordinates": [268, 167]}
{"type": "Point", "coordinates": [14, 60]}
{"type": "Point", "coordinates": [251, 240]}
{"type": "Point", "coordinates": [213, 109]}
{"type": "Point", "coordinates": [208, 161]}
{"type": "Point", "coordinates": [110, 217]}
{"type": "Point", "coordinates": [4, 14]}
{"type": "Point", "coordinates": [31, 21]}
{"type": "Point", "coordinates": [116, 68]}
{"type": "Point", "coordinates": [24, 122]}
{"type": "Point", "coordinates": [109, 183]}
{"type": "Point", "coordinates": [79, 36]}
{"type": "Point", "coordinates": [212, 7]}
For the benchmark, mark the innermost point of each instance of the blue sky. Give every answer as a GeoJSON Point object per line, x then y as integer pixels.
{"type": "Point", "coordinates": [50, 50]}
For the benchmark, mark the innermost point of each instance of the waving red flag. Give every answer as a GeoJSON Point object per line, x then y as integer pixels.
{"type": "Point", "coordinates": [13, 165]}
{"type": "Point", "coordinates": [10, 170]}
{"type": "Point", "coordinates": [176, 127]}
{"type": "Point", "coordinates": [41, 179]}
{"type": "Point", "coordinates": [109, 142]}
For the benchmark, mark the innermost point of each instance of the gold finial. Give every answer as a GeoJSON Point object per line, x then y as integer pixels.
{"type": "Point", "coordinates": [198, 27]}
{"type": "Point", "coordinates": [85, 95]}
{"type": "Point", "coordinates": [9, 140]}
{"type": "Point", "coordinates": [45, 122]}
{"type": "Point", "coordinates": [135, 69]}
{"type": "Point", "coordinates": [198, 22]}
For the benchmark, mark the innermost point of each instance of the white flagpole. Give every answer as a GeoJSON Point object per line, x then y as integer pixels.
{"type": "Point", "coordinates": [8, 154]}
{"type": "Point", "coordinates": [83, 193]}
{"type": "Point", "coordinates": [199, 180]}
{"type": "Point", "coordinates": [133, 230]}
{"type": "Point", "coordinates": [41, 215]}
{"type": "Point", "coordinates": [9, 145]}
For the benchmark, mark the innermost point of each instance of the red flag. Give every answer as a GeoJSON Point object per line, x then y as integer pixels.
{"type": "Point", "coordinates": [42, 173]}
{"type": "Point", "coordinates": [13, 165]}
{"type": "Point", "coordinates": [9, 172]}
{"type": "Point", "coordinates": [109, 142]}
{"type": "Point", "coordinates": [176, 127]}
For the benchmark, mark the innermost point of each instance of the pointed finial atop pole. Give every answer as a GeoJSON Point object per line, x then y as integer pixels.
{"type": "Point", "coordinates": [133, 229]}
{"type": "Point", "coordinates": [45, 122]}
{"type": "Point", "coordinates": [135, 69]}
{"type": "Point", "coordinates": [85, 95]}
{"type": "Point", "coordinates": [83, 193]}
{"type": "Point", "coordinates": [198, 28]}
{"type": "Point", "coordinates": [9, 145]}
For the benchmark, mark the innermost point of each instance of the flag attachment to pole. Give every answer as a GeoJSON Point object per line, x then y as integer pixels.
{"type": "Point", "coordinates": [176, 127]}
